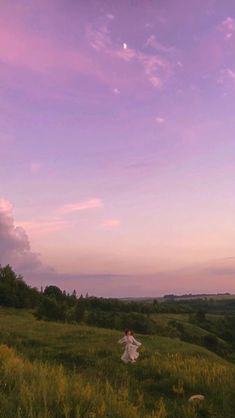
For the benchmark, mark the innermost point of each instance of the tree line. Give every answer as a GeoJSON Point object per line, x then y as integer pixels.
{"type": "Point", "coordinates": [56, 305]}
{"type": "Point", "coordinates": [53, 304]}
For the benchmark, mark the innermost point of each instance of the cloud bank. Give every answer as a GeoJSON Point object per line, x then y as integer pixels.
{"type": "Point", "coordinates": [14, 243]}
{"type": "Point", "coordinates": [214, 276]}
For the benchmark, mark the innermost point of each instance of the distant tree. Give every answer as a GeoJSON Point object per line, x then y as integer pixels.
{"type": "Point", "coordinates": [7, 297]}
{"type": "Point", "coordinates": [138, 322]}
{"type": "Point", "coordinates": [79, 311]}
{"type": "Point", "coordinates": [201, 315]}
{"type": "Point", "coordinates": [50, 309]}
{"type": "Point", "coordinates": [14, 291]}
{"type": "Point", "coordinates": [53, 291]}
{"type": "Point", "coordinates": [155, 305]}
{"type": "Point", "coordinates": [8, 276]}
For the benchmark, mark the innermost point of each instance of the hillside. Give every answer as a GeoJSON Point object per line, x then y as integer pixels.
{"type": "Point", "coordinates": [94, 383]}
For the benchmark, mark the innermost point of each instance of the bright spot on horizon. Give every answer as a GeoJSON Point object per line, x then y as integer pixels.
{"type": "Point", "coordinates": [124, 45]}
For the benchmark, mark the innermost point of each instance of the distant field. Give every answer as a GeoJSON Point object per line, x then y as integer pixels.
{"type": "Point", "coordinates": [215, 297]}
{"type": "Point", "coordinates": [158, 385]}
{"type": "Point", "coordinates": [165, 319]}
{"type": "Point", "coordinates": [179, 298]}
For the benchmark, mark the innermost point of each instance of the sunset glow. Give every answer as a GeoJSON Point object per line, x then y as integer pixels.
{"type": "Point", "coordinates": [117, 145]}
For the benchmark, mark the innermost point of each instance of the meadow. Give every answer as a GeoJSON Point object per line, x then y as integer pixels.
{"type": "Point", "coordinates": [61, 370]}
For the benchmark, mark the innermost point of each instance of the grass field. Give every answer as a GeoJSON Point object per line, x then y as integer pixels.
{"type": "Point", "coordinates": [164, 320]}
{"type": "Point", "coordinates": [54, 370]}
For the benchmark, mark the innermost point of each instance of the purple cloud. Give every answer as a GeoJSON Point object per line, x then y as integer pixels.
{"type": "Point", "coordinates": [14, 243]}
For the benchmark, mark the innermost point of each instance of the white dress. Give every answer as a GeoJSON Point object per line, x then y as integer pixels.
{"type": "Point", "coordinates": [130, 353]}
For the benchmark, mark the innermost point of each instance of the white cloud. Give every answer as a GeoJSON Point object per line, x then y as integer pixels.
{"type": "Point", "coordinates": [14, 242]}
{"type": "Point", "coordinates": [179, 64]}
{"type": "Point", "coordinates": [153, 66]}
{"type": "Point", "coordinates": [99, 39]}
{"type": "Point", "coordinates": [229, 24]}
{"type": "Point", "coordinates": [110, 16]}
{"type": "Point", "coordinates": [231, 74]}
{"type": "Point", "coordinates": [227, 76]}
{"type": "Point", "coordinates": [160, 120]}
{"type": "Point", "coordinates": [78, 206]}
{"type": "Point", "coordinates": [227, 27]}
{"type": "Point", "coordinates": [5, 206]}
{"type": "Point", "coordinates": [43, 227]}
{"type": "Point", "coordinates": [157, 68]}
{"type": "Point", "coordinates": [111, 223]}
{"type": "Point", "coordinates": [35, 166]}
{"type": "Point", "coordinates": [158, 46]}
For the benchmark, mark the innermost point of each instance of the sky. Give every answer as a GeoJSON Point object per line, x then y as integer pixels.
{"type": "Point", "coordinates": [117, 145]}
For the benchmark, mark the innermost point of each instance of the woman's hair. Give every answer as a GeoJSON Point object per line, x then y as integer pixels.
{"type": "Point", "coordinates": [127, 330]}
{"type": "Point", "coordinates": [132, 333]}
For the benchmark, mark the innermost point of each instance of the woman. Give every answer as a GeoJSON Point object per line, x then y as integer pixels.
{"type": "Point", "coordinates": [131, 344]}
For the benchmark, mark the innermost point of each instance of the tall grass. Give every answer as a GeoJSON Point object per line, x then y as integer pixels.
{"type": "Point", "coordinates": [37, 390]}
{"type": "Point", "coordinates": [93, 382]}
{"type": "Point", "coordinates": [40, 390]}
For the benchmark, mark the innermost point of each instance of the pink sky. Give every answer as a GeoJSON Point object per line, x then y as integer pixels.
{"type": "Point", "coordinates": [117, 135]}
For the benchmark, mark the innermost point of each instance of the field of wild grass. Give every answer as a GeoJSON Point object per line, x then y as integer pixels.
{"type": "Point", "coordinates": [51, 370]}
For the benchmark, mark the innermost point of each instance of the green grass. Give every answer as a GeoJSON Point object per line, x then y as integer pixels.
{"type": "Point", "coordinates": [54, 370]}
{"type": "Point", "coordinates": [192, 329]}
